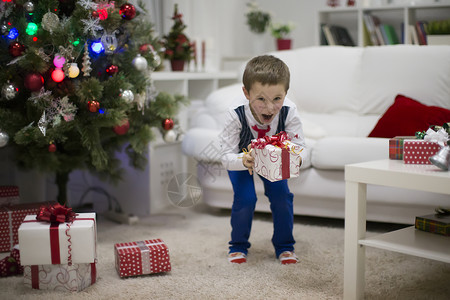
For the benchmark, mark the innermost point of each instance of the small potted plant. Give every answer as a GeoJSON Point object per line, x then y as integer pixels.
{"type": "Point", "coordinates": [438, 32]}
{"type": "Point", "coordinates": [257, 20]}
{"type": "Point", "coordinates": [281, 33]}
{"type": "Point", "coordinates": [178, 48]}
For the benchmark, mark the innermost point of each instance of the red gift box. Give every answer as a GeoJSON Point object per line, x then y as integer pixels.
{"type": "Point", "coordinates": [10, 219]}
{"type": "Point", "coordinates": [419, 151]}
{"type": "Point", "coordinates": [396, 147]}
{"type": "Point", "coordinates": [142, 257]}
{"type": "Point", "coordinates": [9, 195]}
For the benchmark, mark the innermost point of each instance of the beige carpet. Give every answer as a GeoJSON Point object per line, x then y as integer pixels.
{"type": "Point", "coordinates": [197, 239]}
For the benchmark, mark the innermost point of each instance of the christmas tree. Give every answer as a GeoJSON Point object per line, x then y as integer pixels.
{"type": "Point", "coordinates": [76, 85]}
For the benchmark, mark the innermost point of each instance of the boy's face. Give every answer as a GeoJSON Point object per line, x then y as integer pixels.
{"type": "Point", "coordinates": [265, 101]}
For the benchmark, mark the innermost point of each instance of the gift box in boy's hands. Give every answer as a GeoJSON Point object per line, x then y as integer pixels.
{"type": "Point", "coordinates": [276, 157]}
{"type": "Point", "coordinates": [142, 257]}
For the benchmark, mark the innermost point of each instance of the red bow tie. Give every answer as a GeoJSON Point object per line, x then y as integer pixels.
{"type": "Point", "coordinates": [261, 132]}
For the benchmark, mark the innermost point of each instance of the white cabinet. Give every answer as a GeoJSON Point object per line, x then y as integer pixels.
{"type": "Point", "coordinates": [166, 159]}
{"type": "Point", "coordinates": [400, 16]}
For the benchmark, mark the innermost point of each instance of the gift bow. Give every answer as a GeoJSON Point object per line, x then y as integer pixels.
{"type": "Point", "coordinates": [440, 137]}
{"type": "Point", "coordinates": [55, 213]}
{"type": "Point", "coordinates": [276, 140]}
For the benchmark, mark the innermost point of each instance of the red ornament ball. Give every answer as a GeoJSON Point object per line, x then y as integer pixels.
{"type": "Point", "coordinates": [112, 69]}
{"type": "Point", "coordinates": [95, 14]}
{"type": "Point", "coordinates": [93, 106]}
{"type": "Point", "coordinates": [52, 148]}
{"type": "Point", "coordinates": [167, 124]}
{"type": "Point", "coordinates": [16, 49]}
{"type": "Point", "coordinates": [144, 48]}
{"type": "Point", "coordinates": [34, 82]}
{"type": "Point", "coordinates": [122, 128]}
{"type": "Point", "coordinates": [127, 11]}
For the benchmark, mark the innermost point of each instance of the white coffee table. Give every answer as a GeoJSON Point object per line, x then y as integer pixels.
{"type": "Point", "coordinates": [392, 173]}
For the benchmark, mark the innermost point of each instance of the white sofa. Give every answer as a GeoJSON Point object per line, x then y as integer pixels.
{"type": "Point", "coordinates": [341, 93]}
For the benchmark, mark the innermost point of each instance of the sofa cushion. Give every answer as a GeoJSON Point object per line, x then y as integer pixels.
{"type": "Point", "coordinates": [333, 153]}
{"type": "Point", "coordinates": [337, 124]}
{"type": "Point", "coordinates": [419, 72]}
{"type": "Point", "coordinates": [407, 116]}
{"type": "Point", "coordinates": [322, 78]}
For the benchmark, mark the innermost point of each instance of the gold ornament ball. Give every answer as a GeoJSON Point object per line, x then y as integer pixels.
{"type": "Point", "coordinates": [74, 71]}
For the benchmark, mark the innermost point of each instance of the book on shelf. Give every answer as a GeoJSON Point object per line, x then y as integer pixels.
{"type": "Point", "coordinates": [381, 39]}
{"type": "Point", "coordinates": [434, 223]}
{"type": "Point", "coordinates": [323, 38]}
{"type": "Point", "coordinates": [371, 23]}
{"type": "Point", "coordinates": [341, 36]}
{"type": "Point", "coordinates": [391, 35]}
{"type": "Point", "coordinates": [336, 35]}
{"type": "Point", "coordinates": [421, 32]}
{"type": "Point", "coordinates": [328, 35]}
{"type": "Point", "coordinates": [414, 38]}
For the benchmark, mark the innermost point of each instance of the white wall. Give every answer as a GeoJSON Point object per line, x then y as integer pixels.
{"type": "Point", "coordinates": [222, 24]}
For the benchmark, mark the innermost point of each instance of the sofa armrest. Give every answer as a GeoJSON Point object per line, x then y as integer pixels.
{"type": "Point", "coordinates": [202, 144]}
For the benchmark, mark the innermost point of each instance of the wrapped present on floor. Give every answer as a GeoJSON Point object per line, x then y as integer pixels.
{"type": "Point", "coordinates": [9, 195]}
{"type": "Point", "coordinates": [396, 147]}
{"type": "Point", "coordinates": [276, 157]}
{"type": "Point", "coordinates": [10, 265]}
{"type": "Point", "coordinates": [62, 277]}
{"type": "Point", "coordinates": [419, 151]}
{"type": "Point", "coordinates": [58, 249]}
{"type": "Point", "coordinates": [142, 257]}
{"type": "Point", "coordinates": [435, 223]}
{"type": "Point", "coordinates": [10, 219]}
{"type": "Point", "coordinates": [46, 243]}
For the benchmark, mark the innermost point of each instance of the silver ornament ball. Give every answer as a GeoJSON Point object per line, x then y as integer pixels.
{"type": "Point", "coordinates": [128, 96]}
{"type": "Point", "coordinates": [4, 138]}
{"type": "Point", "coordinates": [28, 6]}
{"type": "Point", "coordinates": [170, 136]}
{"type": "Point", "coordinates": [140, 63]}
{"type": "Point", "coordinates": [50, 21]}
{"type": "Point", "coordinates": [4, 29]}
{"type": "Point", "coordinates": [9, 91]}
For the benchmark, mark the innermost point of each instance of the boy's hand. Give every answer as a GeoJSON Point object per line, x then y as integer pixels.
{"type": "Point", "coordinates": [248, 160]}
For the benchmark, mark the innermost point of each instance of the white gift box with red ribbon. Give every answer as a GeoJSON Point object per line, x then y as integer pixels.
{"type": "Point", "coordinates": [43, 243]}
{"type": "Point", "coordinates": [276, 160]}
{"type": "Point", "coordinates": [142, 257]}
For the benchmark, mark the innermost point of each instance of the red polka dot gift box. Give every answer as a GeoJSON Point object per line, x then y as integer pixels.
{"type": "Point", "coordinates": [9, 195]}
{"type": "Point", "coordinates": [142, 257]}
{"type": "Point", "coordinates": [10, 219]}
{"type": "Point", "coordinates": [418, 152]}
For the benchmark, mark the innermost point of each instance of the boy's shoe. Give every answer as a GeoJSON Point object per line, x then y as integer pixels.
{"type": "Point", "coordinates": [237, 258]}
{"type": "Point", "coordinates": [288, 257]}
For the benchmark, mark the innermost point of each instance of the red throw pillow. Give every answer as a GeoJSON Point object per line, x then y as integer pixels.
{"type": "Point", "coordinates": [407, 116]}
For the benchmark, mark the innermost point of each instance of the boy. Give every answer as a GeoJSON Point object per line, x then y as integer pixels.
{"type": "Point", "coordinates": [267, 112]}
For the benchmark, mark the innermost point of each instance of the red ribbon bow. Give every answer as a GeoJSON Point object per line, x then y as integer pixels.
{"type": "Point", "coordinates": [276, 140]}
{"type": "Point", "coordinates": [55, 213]}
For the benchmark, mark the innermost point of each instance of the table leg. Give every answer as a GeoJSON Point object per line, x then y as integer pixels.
{"type": "Point", "coordinates": [355, 229]}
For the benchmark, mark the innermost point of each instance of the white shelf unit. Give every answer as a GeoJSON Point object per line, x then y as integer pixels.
{"type": "Point", "coordinates": [412, 242]}
{"type": "Point", "coordinates": [166, 160]}
{"type": "Point", "coordinates": [397, 15]}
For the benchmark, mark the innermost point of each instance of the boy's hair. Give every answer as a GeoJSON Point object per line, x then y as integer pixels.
{"type": "Point", "coordinates": [266, 69]}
